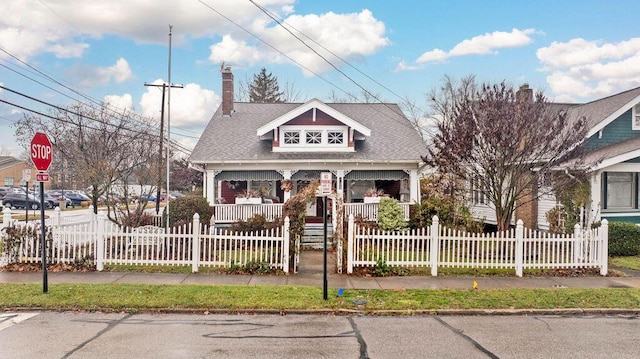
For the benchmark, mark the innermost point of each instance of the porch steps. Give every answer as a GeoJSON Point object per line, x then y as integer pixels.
{"type": "Point", "coordinates": [314, 235]}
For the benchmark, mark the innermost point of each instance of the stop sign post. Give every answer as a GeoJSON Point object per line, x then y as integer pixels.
{"type": "Point", "coordinates": [42, 156]}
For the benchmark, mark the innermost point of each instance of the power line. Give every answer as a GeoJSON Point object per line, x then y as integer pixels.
{"type": "Point", "coordinates": [175, 145]}
{"type": "Point", "coordinates": [273, 47]}
{"type": "Point", "coordinates": [111, 108]}
{"type": "Point", "coordinates": [280, 23]}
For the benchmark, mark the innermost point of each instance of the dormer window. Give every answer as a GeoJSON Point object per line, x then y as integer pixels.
{"type": "Point", "coordinates": [302, 138]}
{"type": "Point", "coordinates": [291, 137]}
{"type": "Point", "coordinates": [335, 137]}
{"type": "Point", "coordinates": [635, 117]}
{"type": "Point", "coordinates": [314, 137]}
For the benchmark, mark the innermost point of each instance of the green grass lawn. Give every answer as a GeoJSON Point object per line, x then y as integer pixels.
{"type": "Point", "coordinates": [203, 298]}
{"type": "Point", "coordinates": [631, 262]}
{"type": "Point", "coordinates": [135, 298]}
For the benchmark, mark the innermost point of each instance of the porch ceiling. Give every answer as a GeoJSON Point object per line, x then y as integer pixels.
{"type": "Point", "coordinates": [390, 175]}
{"type": "Point", "coordinates": [249, 176]}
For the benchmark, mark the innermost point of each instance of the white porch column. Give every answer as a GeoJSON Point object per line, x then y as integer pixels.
{"type": "Point", "coordinates": [596, 196]}
{"type": "Point", "coordinates": [286, 174]}
{"type": "Point", "coordinates": [210, 190]}
{"type": "Point", "coordinates": [340, 183]}
{"type": "Point", "coordinates": [414, 186]}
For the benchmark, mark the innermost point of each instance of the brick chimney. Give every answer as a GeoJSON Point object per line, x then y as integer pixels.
{"type": "Point", "coordinates": [524, 93]}
{"type": "Point", "coordinates": [227, 91]}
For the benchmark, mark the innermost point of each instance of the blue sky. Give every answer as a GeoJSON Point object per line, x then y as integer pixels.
{"type": "Point", "coordinates": [575, 51]}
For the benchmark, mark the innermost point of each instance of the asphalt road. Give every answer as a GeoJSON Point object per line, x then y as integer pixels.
{"type": "Point", "coordinates": [122, 335]}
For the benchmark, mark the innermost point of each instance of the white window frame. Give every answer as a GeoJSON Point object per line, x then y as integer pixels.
{"type": "Point", "coordinates": [284, 137]}
{"type": "Point", "coordinates": [323, 146]}
{"type": "Point", "coordinates": [629, 192]}
{"type": "Point", "coordinates": [342, 137]}
{"type": "Point", "coordinates": [635, 117]}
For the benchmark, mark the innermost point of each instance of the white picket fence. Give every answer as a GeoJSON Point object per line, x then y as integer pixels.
{"type": "Point", "coordinates": [517, 249]}
{"type": "Point", "coordinates": [194, 244]}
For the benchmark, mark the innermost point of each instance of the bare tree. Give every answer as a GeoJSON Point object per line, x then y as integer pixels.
{"type": "Point", "coordinates": [96, 145]}
{"type": "Point", "coordinates": [497, 137]}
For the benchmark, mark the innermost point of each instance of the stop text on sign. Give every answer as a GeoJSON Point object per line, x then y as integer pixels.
{"type": "Point", "coordinates": [40, 151]}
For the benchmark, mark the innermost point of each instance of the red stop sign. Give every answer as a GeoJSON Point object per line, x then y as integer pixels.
{"type": "Point", "coordinates": [41, 153]}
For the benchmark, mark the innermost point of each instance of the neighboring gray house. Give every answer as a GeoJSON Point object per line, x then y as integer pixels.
{"type": "Point", "coordinates": [256, 146]}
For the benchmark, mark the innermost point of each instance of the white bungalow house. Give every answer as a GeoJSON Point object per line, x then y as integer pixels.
{"type": "Point", "coordinates": [271, 150]}
{"type": "Point", "coordinates": [613, 146]}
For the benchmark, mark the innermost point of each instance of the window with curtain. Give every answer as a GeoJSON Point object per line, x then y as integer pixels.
{"type": "Point", "coordinates": [620, 190]}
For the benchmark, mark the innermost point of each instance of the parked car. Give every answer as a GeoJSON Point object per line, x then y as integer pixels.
{"type": "Point", "coordinates": [20, 200]}
{"type": "Point", "coordinates": [148, 198]}
{"type": "Point", "coordinates": [77, 199]}
{"type": "Point", "coordinates": [51, 201]}
{"type": "Point", "coordinates": [4, 191]}
{"type": "Point", "coordinates": [57, 197]}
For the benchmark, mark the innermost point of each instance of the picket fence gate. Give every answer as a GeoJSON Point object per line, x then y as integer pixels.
{"type": "Point", "coordinates": [101, 241]}
{"type": "Point", "coordinates": [437, 246]}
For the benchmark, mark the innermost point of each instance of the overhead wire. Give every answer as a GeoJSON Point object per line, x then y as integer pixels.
{"type": "Point", "coordinates": [110, 108]}
{"type": "Point", "coordinates": [66, 110]}
{"type": "Point", "coordinates": [273, 47]}
{"type": "Point", "coordinates": [281, 22]}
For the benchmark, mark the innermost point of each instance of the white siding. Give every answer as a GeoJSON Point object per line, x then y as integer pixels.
{"type": "Point", "coordinates": [545, 203]}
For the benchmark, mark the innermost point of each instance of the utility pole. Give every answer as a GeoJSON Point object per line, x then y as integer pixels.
{"type": "Point", "coordinates": [165, 85]}
{"type": "Point", "coordinates": [160, 158]}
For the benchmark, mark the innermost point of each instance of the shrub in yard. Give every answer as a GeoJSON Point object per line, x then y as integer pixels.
{"type": "Point", "coordinates": [391, 215]}
{"type": "Point", "coordinates": [624, 239]}
{"type": "Point", "coordinates": [256, 223]}
{"type": "Point", "coordinates": [181, 210]}
{"type": "Point", "coordinates": [137, 219]}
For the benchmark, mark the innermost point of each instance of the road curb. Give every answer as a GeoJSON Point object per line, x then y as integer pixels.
{"type": "Point", "coordinates": [347, 312]}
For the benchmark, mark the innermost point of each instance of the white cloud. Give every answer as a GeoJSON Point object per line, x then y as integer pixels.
{"type": "Point", "coordinates": [123, 102]}
{"type": "Point", "coordinates": [435, 55]}
{"type": "Point", "coordinates": [232, 51]}
{"type": "Point", "coordinates": [61, 27]}
{"type": "Point", "coordinates": [191, 106]}
{"type": "Point", "coordinates": [90, 76]}
{"type": "Point", "coordinates": [403, 66]}
{"type": "Point", "coordinates": [349, 36]}
{"type": "Point", "coordinates": [582, 69]}
{"type": "Point", "coordinates": [481, 45]}
{"type": "Point", "coordinates": [487, 43]}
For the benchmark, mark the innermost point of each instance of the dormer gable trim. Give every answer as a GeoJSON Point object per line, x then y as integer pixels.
{"type": "Point", "coordinates": [602, 124]}
{"type": "Point", "coordinates": [309, 105]}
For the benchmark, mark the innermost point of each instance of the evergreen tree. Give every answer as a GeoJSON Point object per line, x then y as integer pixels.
{"type": "Point", "coordinates": [265, 88]}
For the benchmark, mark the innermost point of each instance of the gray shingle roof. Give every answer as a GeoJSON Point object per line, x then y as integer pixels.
{"type": "Point", "coordinates": [234, 139]}
{"type": "Point", "coordinates": [598, 110]}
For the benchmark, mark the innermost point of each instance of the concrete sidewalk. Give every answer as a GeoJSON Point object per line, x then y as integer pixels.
{"type": "Point", "coordinates": [311, 274]}
{"type": "Point", "coordinates": [334, 280]}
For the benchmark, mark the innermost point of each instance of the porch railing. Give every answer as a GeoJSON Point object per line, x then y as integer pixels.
{"type": "Point", "coordinates": [370, 210]}
{"type": "Point", "coordinates": [230, 213]}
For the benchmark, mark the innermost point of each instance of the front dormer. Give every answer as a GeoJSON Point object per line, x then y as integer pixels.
{"type": "Point", "coordinates": [313, 127]}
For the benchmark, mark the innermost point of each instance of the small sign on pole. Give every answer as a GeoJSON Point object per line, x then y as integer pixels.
{"type": "Point", "coordinates": [325, 183]}
{"type": "Point", "coordinates": [26, 174]}
{"type": "Point", "coordinates": [42, 177]}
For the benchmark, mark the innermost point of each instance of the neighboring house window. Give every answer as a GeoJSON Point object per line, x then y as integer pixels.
{"type": "Point", "coordinates": [335, 138]}
{"type": "Point", "coordinates": [478, 195]}
{"type": "Point", "coordinates": [292, 137]}
{"type": "Point", "coordinates": [314, 137]}
{"type": "Point", "coordinates": [620, 188]}
{"type": "Point", "coordinates": [636, 117]}
{"type": "Point", "coordinates": [8, 181]}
